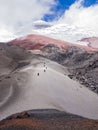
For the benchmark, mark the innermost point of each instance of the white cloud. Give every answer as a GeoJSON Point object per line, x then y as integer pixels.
{"type": "Point", "coordinates": [17, 17]}
{"type": "Point", "coordinates": [82, 17]}
{"type": "Point", "coordinates": [76, 23]}
{"type": "Point", "coordinates": [17, 13]}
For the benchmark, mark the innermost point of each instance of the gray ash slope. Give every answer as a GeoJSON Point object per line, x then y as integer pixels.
{"type": "Point", "coordinates": [83, 66]}
{"type": "Point", "coordinates": [12, 57]}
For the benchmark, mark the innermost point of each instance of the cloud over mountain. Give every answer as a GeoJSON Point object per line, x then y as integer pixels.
{"type": "Point", "coordinates": [17, 13]}
{"type": "Point", "coordinates": [80, 16]}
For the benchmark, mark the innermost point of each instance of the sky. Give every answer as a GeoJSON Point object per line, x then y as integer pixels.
{"type": "Point", "coordinates": [18, 14]}
{"type": "Point", "coordinates": [63, 5]}
{"type": "Point", "coordinates": [58, 9]}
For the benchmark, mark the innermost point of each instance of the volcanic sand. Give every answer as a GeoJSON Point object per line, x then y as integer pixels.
{"type": "Point", "coordinates": [45, 84]}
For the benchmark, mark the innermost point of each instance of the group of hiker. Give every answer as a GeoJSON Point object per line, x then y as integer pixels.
{"type": "Point", "coordinates": [44, 69]}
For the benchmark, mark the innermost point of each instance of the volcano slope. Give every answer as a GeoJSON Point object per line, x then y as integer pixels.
{"type": "Point", "coordinates": [34, 80]}
{"type": "Point", "coordinates": [81, 61]}
{"type": "Point", "coordinates": [92, 41]}
{"type": "Point", "coordinates": [45, 84]}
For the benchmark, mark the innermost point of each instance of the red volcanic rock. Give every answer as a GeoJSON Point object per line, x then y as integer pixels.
{"type": "Point", "coordinates": [93, 41]}
{"type": "Point", "coordinates": [32, 42]}
{"type": "Point", "coordinates": [37, 42]}
{"type": "Point", "coordinates": [48, 120]}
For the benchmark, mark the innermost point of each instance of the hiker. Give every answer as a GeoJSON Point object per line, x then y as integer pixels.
{"type": "Point", "coordinates": [38, 74]}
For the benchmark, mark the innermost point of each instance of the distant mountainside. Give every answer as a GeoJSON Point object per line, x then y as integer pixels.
{"type": "Point", "coordinates": [37, 42]}
{"type": "Point", "coordinates": [92, 41]}
{"type": "Point", "coordinates": [81, 60]}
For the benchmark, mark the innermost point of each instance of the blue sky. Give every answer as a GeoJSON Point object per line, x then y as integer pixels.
{"type": "Point", "coordinates": [88, 3]}
{"type": "Point", "coordinates": [63, 5]}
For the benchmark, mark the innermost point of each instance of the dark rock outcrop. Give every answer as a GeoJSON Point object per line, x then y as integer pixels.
{"type": "Point", "coordinates": [83, 66]}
